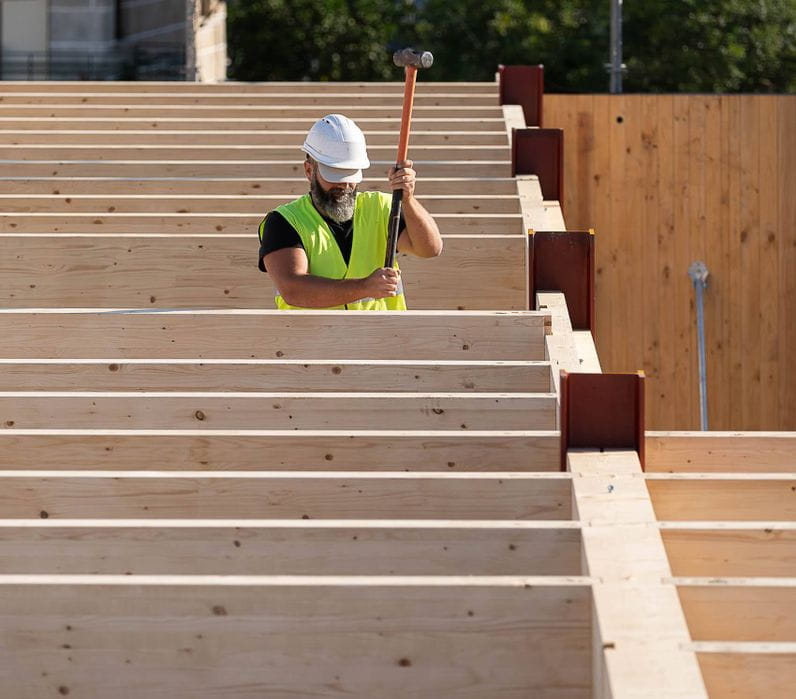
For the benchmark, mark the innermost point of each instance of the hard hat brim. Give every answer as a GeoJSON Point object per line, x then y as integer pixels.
{"type": "Point", "coordinates": [339, 175]}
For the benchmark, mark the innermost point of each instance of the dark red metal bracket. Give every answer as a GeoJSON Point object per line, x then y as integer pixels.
{"type": "Point", "coordinates": [602, 411]}
{"type": "Point", "coordinates": [564, 261]}
{"type": "Point", "coordinates": [540, 152]}
{"type": "Point", "coordinates": [523, 85]}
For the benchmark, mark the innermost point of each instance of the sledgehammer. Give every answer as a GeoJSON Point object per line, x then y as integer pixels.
{"type": "Point", "coordinates": [410, 60]}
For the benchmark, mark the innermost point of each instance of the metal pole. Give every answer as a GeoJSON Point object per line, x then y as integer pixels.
{"type": "Point", "coordinates": [699, 276]}
{"type": "Point", "coordinates": [615, 66]}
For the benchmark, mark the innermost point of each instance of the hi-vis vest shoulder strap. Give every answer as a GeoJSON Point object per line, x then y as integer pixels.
{"type": "Point", "coordinates": [368, 248]}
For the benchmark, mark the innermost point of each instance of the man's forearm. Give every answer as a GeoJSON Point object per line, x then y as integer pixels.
{"type": "Point", "coordinates": [421, 229]}
{"type": "Point", "coordinates": [308, 291]}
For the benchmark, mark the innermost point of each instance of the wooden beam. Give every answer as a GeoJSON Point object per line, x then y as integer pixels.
{"type": "Point", "coordinates": [219, 204]}
{"type": "Point", "coordinates": [309, 495]}
{"type": "Point", "coordinates": [48, 167]}
{"type": "Point", "coordinates": [88, 135]}
{"type": "Point", "coordinates": [461, 548]}
{"type": "Point", "coordinates": [219, 270]}
{"type": "Point", "coordinates": [639, 629]}
{"type": "Point", "coordinates": [243, 334]}
{"type": "Point", "coordinates": [239, 450]}
{"type": "Point", "coordinates": [54, 109]}
{"type": "Point", "coordinates": [737, 499]}
{"type": "Point", "coordinates": [187, 224]}
{"type": "Point", "coordinates": [225, 152]}
{"type": "Point", "coordinates": [92, 640]}
{"type": "Point", "coordinates": [55, 87]}
{"type": "Point", "coordinates": [744, 613]}
{"type": "Point", "coordinates": [750, 452]}
{"type": "Point", "coordinates": [277, 411]}
{"type": "Point", "coordinates": [211, 186]}
{"type": "Point", "coordinates": [278, 100]}
{"type": "Point", "coordinates": [273, 375]}
{"type": "Point", "coordinates": [767, 552]}
{"type": "Point", "coordinates": [227, 123]}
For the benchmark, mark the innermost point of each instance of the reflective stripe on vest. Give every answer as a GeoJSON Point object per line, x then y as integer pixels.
{"type": "Point", "coordinates": [368, 247]}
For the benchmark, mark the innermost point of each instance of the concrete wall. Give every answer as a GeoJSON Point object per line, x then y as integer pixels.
{"type": "Point", "coordinates": [83, 25]}
{"type": "Point", "coordinates": [210, 32]}
{"type": "Point", "coordinates": [154, 21]}
{"type": "Point", "coordinates": [23, 25]}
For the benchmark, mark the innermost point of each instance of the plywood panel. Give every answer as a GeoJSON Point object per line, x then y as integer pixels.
{"type": "Point", "coordinates": [724, 171]}
{"type": "Point", "coordinates": [100, 641]}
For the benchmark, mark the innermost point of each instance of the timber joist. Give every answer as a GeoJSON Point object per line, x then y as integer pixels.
{"type": "Point", "coordinates": [202, 496]}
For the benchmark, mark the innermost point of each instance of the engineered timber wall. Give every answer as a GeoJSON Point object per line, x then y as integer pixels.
{"type": "Point", "coordinates": [666, 180]}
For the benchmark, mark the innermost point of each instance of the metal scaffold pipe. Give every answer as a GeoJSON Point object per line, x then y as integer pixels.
{"type": "Point", "coordinates": [615, 66]}
{"type": "Point", "coordinates": [698, 272]}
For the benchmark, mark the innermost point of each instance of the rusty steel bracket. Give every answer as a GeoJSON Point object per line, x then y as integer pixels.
{"type": "Point", "coordinates": [602, 411]}
{"type": "Point", "coordinates": [564, 261]}
{"type": "Point", "coordinates": [540, 152]}
{"type": "Point", "coordinates": [523, 85]}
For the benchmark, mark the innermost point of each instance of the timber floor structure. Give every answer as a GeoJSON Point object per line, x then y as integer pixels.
{"type": "Point", "coordinates": [203, 497]}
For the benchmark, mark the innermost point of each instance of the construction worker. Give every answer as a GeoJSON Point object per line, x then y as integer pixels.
{"type": "Point", "coordinates": [325, 250]}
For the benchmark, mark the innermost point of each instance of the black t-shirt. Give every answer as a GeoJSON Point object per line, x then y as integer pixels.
{"type": "Point", "coordinates": [279, 234]}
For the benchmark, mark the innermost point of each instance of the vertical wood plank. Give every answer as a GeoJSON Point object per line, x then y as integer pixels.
{"type": "Point", "coordinates": [734, 378]}
{"type": "Point", "coordinates": [769, 264]}
{"type": "Point", "coordinates": [618, 260]}
{"type": "Point", "coordinates": [662, 409]}
{"type": "Point", "coordinates": [603, 223]}
{"type": "Point", "coordinates": [786, 159]}
{"type": "Point", "coordinates": [684, 391]}
{"type": "Point", "coordinates": [711, 234]}
{"type": "Point", "coordinates": [750, 264]}
{"type": "Point", "coordinates": [652, 298]}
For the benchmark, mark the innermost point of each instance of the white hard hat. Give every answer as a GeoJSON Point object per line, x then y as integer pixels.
{"type": "Point", "coordinates": [338, 145]}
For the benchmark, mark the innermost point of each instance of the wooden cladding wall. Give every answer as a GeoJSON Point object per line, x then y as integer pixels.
{"type": "Point", "coordinates": [669, 179]}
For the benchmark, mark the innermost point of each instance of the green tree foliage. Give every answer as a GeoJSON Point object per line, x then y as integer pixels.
{"type": "Point", "coordinates": [669, 45]}
{"type": "Point", "coordinates": [711, 46]}
{"type": "Point", "coordinates": [312, 39]}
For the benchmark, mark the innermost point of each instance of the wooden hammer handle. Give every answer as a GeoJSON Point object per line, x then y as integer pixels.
{"type": "Point", "coordinates": [406, 115]}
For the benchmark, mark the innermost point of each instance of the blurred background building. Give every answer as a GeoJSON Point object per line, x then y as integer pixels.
{"type": "Point", "coordinates": [113, 40]}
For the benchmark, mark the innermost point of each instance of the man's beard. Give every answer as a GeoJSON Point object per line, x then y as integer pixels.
{"type": "Point", "coordinates": [336, 204]}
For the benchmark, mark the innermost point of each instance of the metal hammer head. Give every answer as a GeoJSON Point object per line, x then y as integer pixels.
{"type": "Point", "coordinates": [410, 57]}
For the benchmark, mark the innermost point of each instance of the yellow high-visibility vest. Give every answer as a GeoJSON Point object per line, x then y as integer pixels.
{"type": "Point", "coordinates": [368, 247]}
